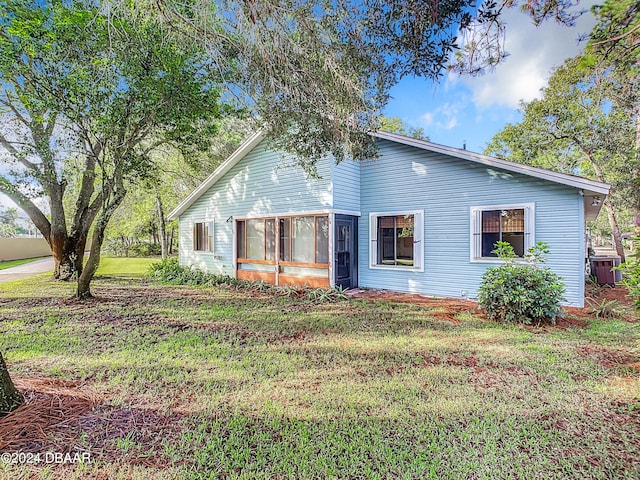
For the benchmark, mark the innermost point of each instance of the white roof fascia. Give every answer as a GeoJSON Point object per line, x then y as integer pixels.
{"type": "Point", "coordinates": [563, 178]}
{"type": "Point", "coordinates": [248, 145]}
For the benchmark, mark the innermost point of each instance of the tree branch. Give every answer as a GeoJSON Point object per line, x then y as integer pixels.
{"type": "Point", "coordinates": [618, 37]}
{"type": "Point", "coordinates": [37, 217]}
{"type": "Point", "coordinates": [15, 153]}
{"type": "Point", "coordinates": [15, 111]}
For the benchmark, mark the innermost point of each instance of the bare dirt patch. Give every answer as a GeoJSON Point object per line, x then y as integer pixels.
{"type": "Point", "coordinates": [136, 434]}
{"type": "Point", "coordinates": [609, 358]}
{"type": "Point", "coordinates": [596, 296]}
{"type": "Point", "coordinates": [443, 308]}
{"type": "Point", "coordinates": [450, 308]}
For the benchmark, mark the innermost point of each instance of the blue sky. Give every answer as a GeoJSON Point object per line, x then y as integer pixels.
{"type": "Point", "coordinates": [475, 108]}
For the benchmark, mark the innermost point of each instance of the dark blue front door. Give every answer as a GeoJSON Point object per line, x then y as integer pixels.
{"type": "Point", "coordinates": [345, 251]}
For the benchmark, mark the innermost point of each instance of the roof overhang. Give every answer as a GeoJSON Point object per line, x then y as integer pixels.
{"type": "Point", "coordinates": [248, 145]}
{"type": "Point", "coordinates": [593, 192]}
{"type": "Point", "coordinates": [592, 204]}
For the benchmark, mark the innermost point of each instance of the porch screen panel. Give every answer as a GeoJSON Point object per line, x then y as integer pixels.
{"type": "Point", "coordinates": [303, 240]}
{"type": "Point", "coordinates": [285, 239]}
{"type": "Point", "coordinates": [270, 238]}
{"type": "Point", "coordinates": [322, 239]}
{"type": "Point", "coordinates": [255, 239]}
{"type": "Point", "coordinates": [242, 237]}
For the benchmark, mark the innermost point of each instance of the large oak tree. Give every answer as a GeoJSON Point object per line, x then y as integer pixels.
{"type": "Point", "coordinates": [615, 44]}
{"type": "Point", "coordinates": [89, 95]}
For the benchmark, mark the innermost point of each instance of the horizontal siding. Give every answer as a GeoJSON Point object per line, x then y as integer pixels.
{"type": "Point", "coordinates": [402, 178]}
{"type": "Point", "coordinates": [346, 185]}
{"type": "Point", "coordinates": [264, 182]}
{"type": "Point", "coordinates": [446, 188]}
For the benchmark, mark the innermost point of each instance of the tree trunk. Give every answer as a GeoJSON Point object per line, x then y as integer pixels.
{"type": "Point", "coordinates": [67, 254]}
{"type": "Point", "coordinates": [613, 222]}
{"type": "Point", "coordinates": [93, 262]}
{"type": "Point", "coordinates": [617, 236]}
{"type": "Point", "coordinates": [84, 280]}
{"type": "Point", "coordinates": [173, 232]}
{"type": "Point", "coordinates": [9, 396]}
{"type": "Point", "coordinates": [636, 176]}
{"type": "Point", "coordinates": [163, 228]}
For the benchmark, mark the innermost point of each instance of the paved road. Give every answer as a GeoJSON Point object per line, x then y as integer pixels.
{"type": "Point", "coordinates": [27, 269]}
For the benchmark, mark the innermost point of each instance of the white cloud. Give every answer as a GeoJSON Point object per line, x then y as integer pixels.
{"type": "Point", "coordinates": [534, 51]}
{"type": "Point", "coordinates": [445, 117]}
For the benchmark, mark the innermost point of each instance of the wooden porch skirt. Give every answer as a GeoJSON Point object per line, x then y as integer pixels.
{"type": "Point", "coordinates": [284, 279]}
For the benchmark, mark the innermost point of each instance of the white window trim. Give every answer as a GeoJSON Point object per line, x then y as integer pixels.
{"type": "Point", "coordinates": [211, 224]}
{"type": "Point", "coordinates": [475, 224]}
{"type": "Point", "coordinates": [297, 213]}
{"type": "Point", "coordinates": [418, 241]}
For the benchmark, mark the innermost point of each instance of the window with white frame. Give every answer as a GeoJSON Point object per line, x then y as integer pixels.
{"type": "Point", "coordinates": [396, 240]}
{"type": "Point", "coordinates": [513, 224]}
{"type": "Point", "coordinates": [203, 237]}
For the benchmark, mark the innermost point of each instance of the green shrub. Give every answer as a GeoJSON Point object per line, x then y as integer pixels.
{"type": "Point", "coordinates": [145, 249]}
{"type": "Point", "coordinates": [631, 272]}
{"type": "Point", "coordinates": [517, 292]}
{"type": "Point", "coordinates": [170, 272]}
{"type": "Point", "coordinates": [130, 247]}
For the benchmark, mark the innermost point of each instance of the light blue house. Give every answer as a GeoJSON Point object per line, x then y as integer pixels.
{"type": "Point", "coordinates": [421, 218]}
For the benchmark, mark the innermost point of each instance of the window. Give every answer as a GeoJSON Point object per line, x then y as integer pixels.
{"type": "Point", "coordinates": [203, 237]}
{"type": "Point", "coordinates": [302, 239]}
{"type": "Point", "coordinates": [506, 223]}
{"type": "Point", "coordinates": [397, 240]}
{"type": "Point", "coordinates": [256, 239]}
{"type": "Point", "coordinates": [285, 239]}
{"type": "Point", "coordinates": [322, 239]}
{"type": "Point", "coordinates": [270, 239]}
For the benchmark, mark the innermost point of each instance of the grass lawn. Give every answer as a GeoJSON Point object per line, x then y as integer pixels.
{"type": "Point", "coordinates": [15, 263]}
{"type": "Point", "coordinates": [124, 266]}
{"type": "Point", "coordinates": [161, 382]}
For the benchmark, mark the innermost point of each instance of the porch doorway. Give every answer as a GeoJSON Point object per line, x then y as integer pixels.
{"type": "Point", "coordinates": [345, 254]}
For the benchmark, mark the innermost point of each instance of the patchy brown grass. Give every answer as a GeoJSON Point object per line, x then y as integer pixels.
{"type": "Point", "coordinates": [171, 382]}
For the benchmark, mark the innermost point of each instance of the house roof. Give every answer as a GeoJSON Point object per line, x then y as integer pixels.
{"type": "Point", "coordinates": [590, 188]}
{"type": "Point", "coordinates": [592, 191]}
{"type": "Point", "coordinates": [563, 178]}
{"type": "Point", "coordinates": [249, 144]}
